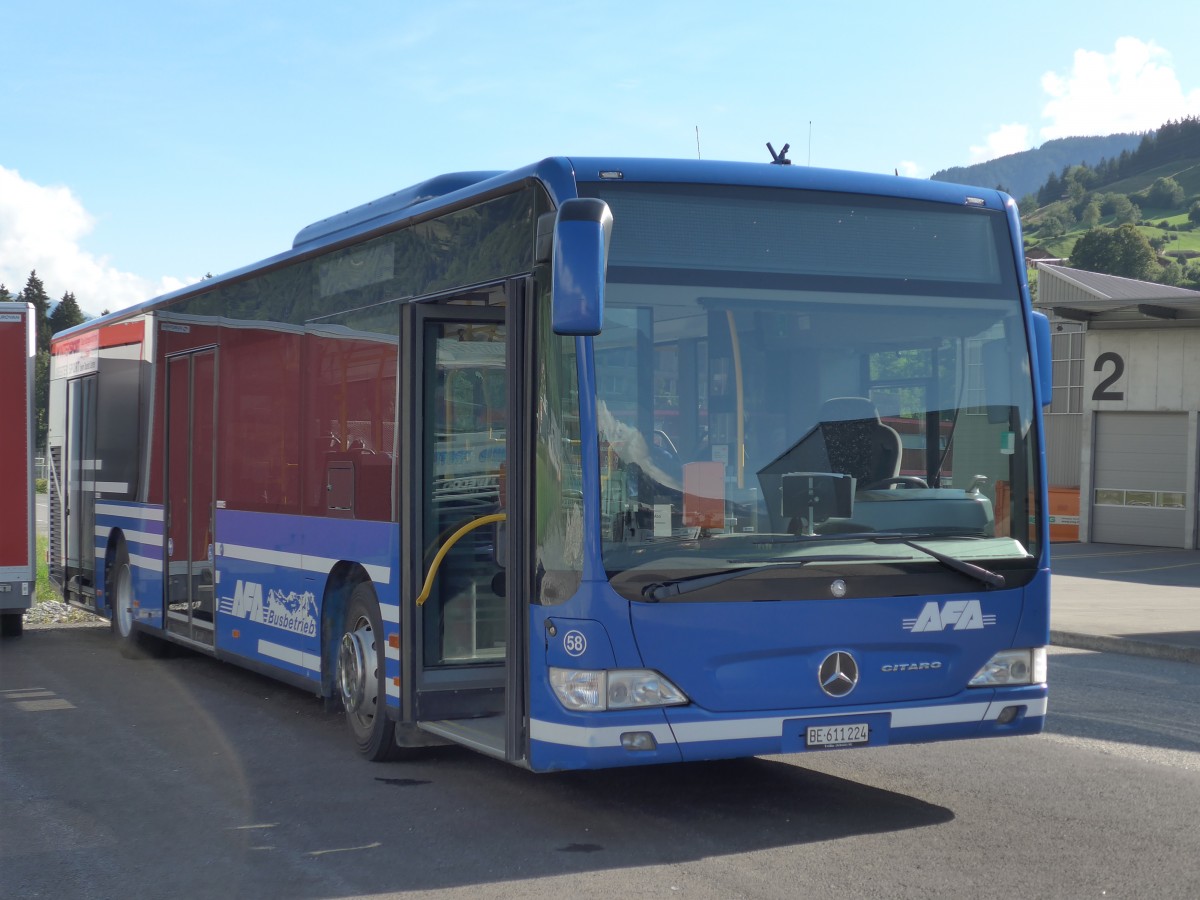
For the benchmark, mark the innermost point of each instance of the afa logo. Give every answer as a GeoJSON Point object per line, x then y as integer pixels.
{"type": "Point", "coordinates": [292, 612]}
{"type": "Point", "coordinates": [963, 615]}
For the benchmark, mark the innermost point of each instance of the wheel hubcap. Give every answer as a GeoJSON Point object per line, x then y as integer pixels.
{"type": "Point", "coordinates": [355, 676]}
{"type": "Point", "coordinates": [123, 602]}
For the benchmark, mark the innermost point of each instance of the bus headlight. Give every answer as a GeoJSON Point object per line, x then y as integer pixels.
{"type": "Point", "coordinates": [595, 690]}
{"type": "Point", "coordinates": [1011, 667]}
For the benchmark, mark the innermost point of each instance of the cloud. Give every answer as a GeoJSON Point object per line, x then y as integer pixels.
{"type": "Point", "coordinates": [1003, 141]}
{"type": "Point", "coordinates": [40, 229]}
{"type": "Point", "coordinates": [1133, 88]}
{"type": "Point", "coordinates": [908, 169]}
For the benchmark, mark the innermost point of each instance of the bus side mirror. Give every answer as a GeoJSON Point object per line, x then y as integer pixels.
{"type": "Point", "coordinates": [1041, 336]}
{"type": "Point", "coordinates": [581, 236]}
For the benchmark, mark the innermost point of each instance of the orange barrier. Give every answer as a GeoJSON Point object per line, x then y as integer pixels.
{"type": "Point", "coordinates": [1064, 512]}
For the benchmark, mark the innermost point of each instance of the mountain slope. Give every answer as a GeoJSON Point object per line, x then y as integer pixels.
{"type": "Point", "coordinates": [1023, 173]}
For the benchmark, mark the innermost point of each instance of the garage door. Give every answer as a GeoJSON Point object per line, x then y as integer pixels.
{"type": "Point", "coordinates": [1140, 479]}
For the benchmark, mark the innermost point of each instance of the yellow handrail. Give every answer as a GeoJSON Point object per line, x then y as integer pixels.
{"type": "Point", "coordinates": [450, 542]}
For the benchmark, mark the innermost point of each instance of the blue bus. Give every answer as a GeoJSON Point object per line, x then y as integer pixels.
{"type": "Point", "coordinates": [593, 463]}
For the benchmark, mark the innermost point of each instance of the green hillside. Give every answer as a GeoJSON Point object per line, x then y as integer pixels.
{"type": "Point", "coordinates": [1155, 190]}
{"type": "Point", "coordinates": [1186, 172]}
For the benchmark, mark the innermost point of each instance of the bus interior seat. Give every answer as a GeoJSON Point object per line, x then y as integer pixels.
{"type": "Point", "coordinates": [857, 441]}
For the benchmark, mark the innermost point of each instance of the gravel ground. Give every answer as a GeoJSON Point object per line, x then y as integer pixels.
{"type": "Point", "coordinates": [56, 614]}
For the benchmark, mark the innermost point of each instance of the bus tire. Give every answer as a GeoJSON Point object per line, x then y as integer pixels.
{"type": "Point", "coordinates": [361, 674]}
{"type": "Point", "coordinates": [132, 644]}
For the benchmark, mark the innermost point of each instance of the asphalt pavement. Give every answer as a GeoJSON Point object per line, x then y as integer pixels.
{"type": "Point", "coordinates": [1120, 598]}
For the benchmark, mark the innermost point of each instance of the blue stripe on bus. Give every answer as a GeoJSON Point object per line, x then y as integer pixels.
{"type": "Point", "coordinates": [270, 583]}
{"type": "Point", "coordinates": [270, 579]}
{"type": "Point", "coordinates": [141, 524]}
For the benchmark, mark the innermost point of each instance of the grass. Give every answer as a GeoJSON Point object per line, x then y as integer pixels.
{"type": "Point", "coordinates": [45, 590]}
{"type": "Point", "coordinates": [1184, 171]}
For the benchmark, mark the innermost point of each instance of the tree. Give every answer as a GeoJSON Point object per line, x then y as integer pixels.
{"type": "Point", "coordinates": [1165, 193]}
{"type": "Point", "coordinates": [1194, 213]}
{"type": "Point", "coordinates": [66, 315]}
{"type": "Point", "coordinates": [1050, 191]}
{"type": "Point", "coordinates": [41, 397]}
{"type": "Point", "coordinates": [1115, 251]}
{"type": "Point", "coordinates": [1090, 217]}
{"type": "Point", "coordinates": [1052, 227]}
{"type": "Point", "coordinates": [35, 293]}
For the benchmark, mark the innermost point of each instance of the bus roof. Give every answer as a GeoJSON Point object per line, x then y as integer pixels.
{"type": "Point", "coordinates": [560, 176]}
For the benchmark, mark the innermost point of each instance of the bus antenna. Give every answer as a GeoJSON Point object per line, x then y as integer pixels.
{"type": "Point", "coordinates": [780, 158]}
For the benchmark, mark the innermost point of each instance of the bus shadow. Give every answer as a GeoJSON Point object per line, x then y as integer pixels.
{"type": "Point", "coordinates": [290, 804]}
{"type": "Point", "coordinates": [539, 826]}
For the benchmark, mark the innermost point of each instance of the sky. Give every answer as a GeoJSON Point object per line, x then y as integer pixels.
{"type": "Point", "coordinates": [144, 145]}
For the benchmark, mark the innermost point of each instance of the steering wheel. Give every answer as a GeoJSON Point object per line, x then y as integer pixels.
{"type": "Point", "coordinates": [907, 481]}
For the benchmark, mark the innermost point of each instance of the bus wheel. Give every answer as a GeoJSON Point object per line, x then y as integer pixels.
{"type": "Point", "coordinates": [360, 677]}
{"type": "Point", "coordinates": [132, 644]}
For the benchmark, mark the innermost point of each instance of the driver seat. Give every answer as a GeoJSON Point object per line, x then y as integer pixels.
{"type": "Point", "coordinates": [857, 442]}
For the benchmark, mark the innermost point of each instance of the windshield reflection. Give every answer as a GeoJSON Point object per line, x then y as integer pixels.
{"type": "Point", "coordinates": [789, 414]}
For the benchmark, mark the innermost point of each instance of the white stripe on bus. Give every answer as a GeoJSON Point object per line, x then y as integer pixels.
{"type": "Point", "coordinates": [289, 560]}
{"type": "Point", "coordinates": [1032, 708]}
{"type": "Point", "coordinates": [145, 562]}
{"type": "Point", "coordinates": [102, 487]}
{"type": "Point", "coordinates": [604, 736]}
{"type": "Point", "coordinates": [772, 726]}
{"type": "Point", "coordinates": [309, 661]}
{"type": "Point", "coordinates": [389, 612]}
{"type": "Point", "coordinates": [150, 513]}
{"type": "Point", "coordinates": [133, 537]}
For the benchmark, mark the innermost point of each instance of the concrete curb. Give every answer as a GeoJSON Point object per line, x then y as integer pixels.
{"type": "Point", "coordinates": [1129, 646]}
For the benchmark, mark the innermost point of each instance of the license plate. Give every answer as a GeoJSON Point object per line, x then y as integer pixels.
{"type": "Point", "coordinates": [842, 735]}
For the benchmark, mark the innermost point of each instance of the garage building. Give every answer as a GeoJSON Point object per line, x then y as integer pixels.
{"type": "Point", "coordinates": [1124, 420]}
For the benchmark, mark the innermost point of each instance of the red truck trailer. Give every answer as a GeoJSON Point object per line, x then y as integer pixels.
{"type": "Point", "coordinates": [18, 568]}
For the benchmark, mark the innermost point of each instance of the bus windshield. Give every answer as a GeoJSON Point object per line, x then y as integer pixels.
{"type": "Point", "coordinates": [786, 376]}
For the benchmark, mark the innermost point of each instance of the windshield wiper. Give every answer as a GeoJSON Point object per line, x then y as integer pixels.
{"type": "Point", "coordinates": [661, 590]}
{"type": "Point", "coordinates": [979, 573]}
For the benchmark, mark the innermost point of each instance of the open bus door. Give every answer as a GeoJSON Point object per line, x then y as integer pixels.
{"type": "Point", "coordinates": [463, 624]}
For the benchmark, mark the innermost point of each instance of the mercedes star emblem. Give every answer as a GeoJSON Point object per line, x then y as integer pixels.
{"type": "Point", "coordinates": [838, 674]}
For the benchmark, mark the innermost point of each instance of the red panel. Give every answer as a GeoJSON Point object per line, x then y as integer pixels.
{"type": "Point", "coordinates": [203, 397]}
{"type": "Point", "coordinates": [122, 333]}
{"type": "Point", "coordinates": [172, 338]}
{"type": "Point", "coordinates": [179, 440]}
{"type": "Point", "coordinates": [258, 456]}
{"type": "Point", "coordinates": [350, 419]}
{"type": "Point", "coordinates": [14, 446]}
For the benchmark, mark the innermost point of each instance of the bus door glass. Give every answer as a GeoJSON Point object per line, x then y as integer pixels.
{"type": "Point", "coordinates": [464, 450]}
{"type": "Point", "coordinates": [191, 410]}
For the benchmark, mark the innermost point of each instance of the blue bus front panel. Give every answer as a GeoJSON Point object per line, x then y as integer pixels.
{"type": "Point", "coordinates": [753, 675]}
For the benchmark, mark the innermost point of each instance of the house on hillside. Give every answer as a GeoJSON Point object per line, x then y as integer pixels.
{"type": "Point", "coordinates": [1034, 255]}
{"type": "Point", "coordinates": [1123, 425]}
